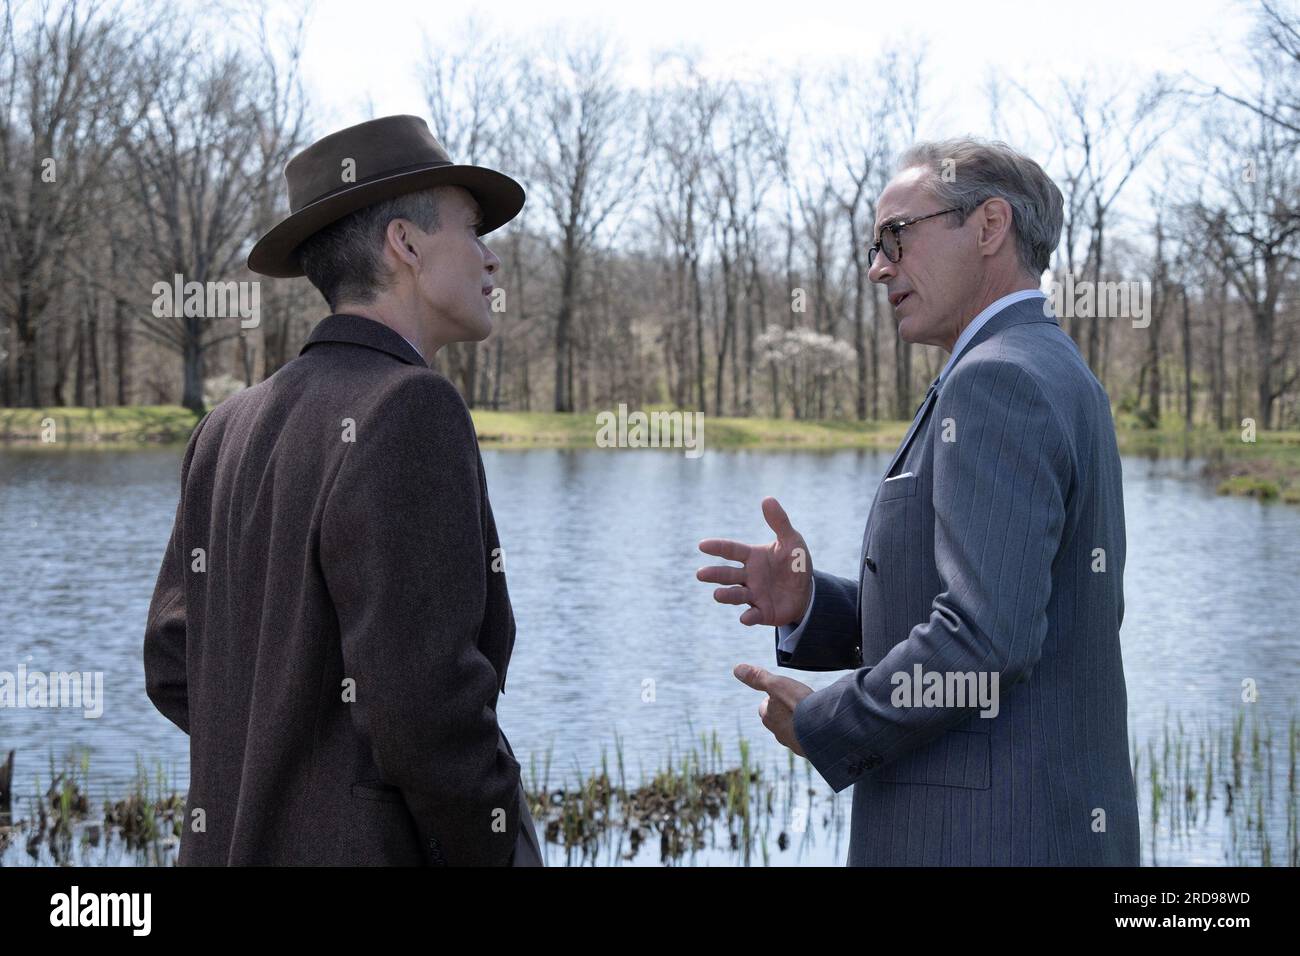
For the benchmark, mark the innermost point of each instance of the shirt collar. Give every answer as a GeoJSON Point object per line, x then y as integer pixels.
{"type": "Point", "coordinates": [977, 323]}
{"type": "Point", "coordinates": [414, 346]}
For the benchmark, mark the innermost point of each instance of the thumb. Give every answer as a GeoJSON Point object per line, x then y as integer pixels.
{"type": "Point", "coordinates": [753, 676]}
{"type": "Point", "coordinates": [777, 519]}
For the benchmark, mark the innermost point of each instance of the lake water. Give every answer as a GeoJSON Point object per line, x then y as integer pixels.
{"type": "Point", "coordinates": [600, 551]}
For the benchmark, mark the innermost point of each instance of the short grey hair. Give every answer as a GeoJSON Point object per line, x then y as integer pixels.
{"type": "Point", "coordinates": [345, 260]}
{"type": "Point", "coordinates": [967, 171]}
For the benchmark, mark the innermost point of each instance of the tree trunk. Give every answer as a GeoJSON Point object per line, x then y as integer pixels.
{"type": "Point", "coordinates": [1187, 362]}
{"type": "Point", "coordinates": [192, 389]}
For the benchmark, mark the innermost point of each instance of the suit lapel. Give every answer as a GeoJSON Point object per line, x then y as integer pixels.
{"type": "Point", "coordinates": [922, 411]}
{"type": "Point", "coordinates": [1027, 310]}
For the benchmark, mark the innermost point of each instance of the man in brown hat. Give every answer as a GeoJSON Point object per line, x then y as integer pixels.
{"type": "Point", "coordinates": [331, 624]}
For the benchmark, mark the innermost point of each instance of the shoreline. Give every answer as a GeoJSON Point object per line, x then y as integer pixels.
{"type": "Point", "coordinates": [1267, 469]}
{"type": "Point", "coordinates": [709, 796]}
{"type": "Point", "coordinates": [151, 426]}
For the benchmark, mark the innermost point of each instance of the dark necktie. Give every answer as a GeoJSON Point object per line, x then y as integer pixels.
{"type": "Point", "coordinates": [934, 386]}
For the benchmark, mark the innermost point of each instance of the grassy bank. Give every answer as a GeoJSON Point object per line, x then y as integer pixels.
{"type": "Point", "coordinates": [161, 424]}
{"type": "Point", "coordinates": [135, 425]}
{"type": "Point", "coordinates": [1268, 468]}
{"type": "Point", "coordinates": [578, 430]}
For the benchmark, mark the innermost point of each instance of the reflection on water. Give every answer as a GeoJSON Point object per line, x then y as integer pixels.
{"type": "Point", "coordinates": [616, 637]}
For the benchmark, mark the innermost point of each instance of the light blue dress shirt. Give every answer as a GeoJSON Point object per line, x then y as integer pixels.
{"type": "Point", "coordinates": [789, 636]}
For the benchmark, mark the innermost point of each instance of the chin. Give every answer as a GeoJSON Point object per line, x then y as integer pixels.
{"type": "Point", "coordinates": [906, 329]}
{"type": "Point", "coordinates": [915, 330]}
{"type": "Point", "coordinates": [474, 328]}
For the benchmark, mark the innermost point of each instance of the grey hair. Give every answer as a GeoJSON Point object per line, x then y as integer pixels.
{"type": "Point", "coordinates": [345, 260]}
{"type": "Point", "coordinates": [967, 171]}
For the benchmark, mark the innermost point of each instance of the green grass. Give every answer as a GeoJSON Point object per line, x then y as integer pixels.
{"type": "Point", "coordinates": [578, 430]}
{"type": "Point", "coordinates": [158, 424]}
{"type": "Point", "coordinates": [1268, 468]}
{"type": "Point", "coordinates": [93, 427]}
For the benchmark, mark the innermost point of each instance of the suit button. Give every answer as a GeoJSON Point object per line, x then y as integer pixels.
{"type": "Point", "coordinates": [871, 565]}
{"type": "Point", "coordinates": [855, 768]}
{"type": "Point", "coordinates": [872, 761]}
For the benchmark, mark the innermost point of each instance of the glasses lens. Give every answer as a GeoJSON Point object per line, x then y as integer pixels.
{"type": "Point", "coordinates": [889, 243]}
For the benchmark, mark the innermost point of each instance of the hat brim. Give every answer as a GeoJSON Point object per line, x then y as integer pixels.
{"type": "Point", "coordinates": [499, 198]}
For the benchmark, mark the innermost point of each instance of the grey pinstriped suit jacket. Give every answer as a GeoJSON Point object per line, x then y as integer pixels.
{"type": "Point", "coordinates": [985, 559]}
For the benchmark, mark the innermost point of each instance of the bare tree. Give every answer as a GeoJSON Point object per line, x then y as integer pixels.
{"type": "Point", "coordinates": [1103, 136]}
{"type": "Point", "coordinates": [681, 123]}
{"type": "Point", "coordinates": [584, 164]}
{"type": "Point", "coordinates": [63, 103]}
{"type": "Point", "coordinates": [203, 162]}
{"type": "Point", "coordinates": [1252, 220]}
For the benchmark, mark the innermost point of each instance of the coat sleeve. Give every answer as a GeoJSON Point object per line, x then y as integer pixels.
{"type": "Point", "coordinates": [403, 555]}
{"type": "Point", "coordinates": [165, 678]}
{"type": "Point", "coordinates": [832, 635]}
{"type": "Point", "coordinates": [999, 494]}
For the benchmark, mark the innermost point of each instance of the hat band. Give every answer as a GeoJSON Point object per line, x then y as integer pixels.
{"type": "Point", "coordinates": [377, 177]}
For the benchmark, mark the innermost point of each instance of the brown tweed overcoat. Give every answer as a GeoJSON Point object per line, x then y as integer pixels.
{"type": "Point", "coordinates": [331, 624]}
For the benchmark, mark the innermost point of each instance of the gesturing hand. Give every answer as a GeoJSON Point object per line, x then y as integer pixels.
{"type": "Point", "coordinates": [777, 708]}
{"type": "Point", "coordinates": [775, 579]}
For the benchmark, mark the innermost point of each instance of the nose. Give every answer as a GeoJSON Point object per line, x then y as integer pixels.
{"type": "Point", "coordinates": [882, 270]}
{"type": "Point", "coordinates": [490, 261]}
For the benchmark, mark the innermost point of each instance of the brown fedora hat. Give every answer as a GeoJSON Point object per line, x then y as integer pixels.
{"type": "Point", "coordinates": [365, 164]}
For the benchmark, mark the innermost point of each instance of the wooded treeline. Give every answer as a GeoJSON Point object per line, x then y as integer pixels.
{"type": "Point", "coordinates": [698, 241]}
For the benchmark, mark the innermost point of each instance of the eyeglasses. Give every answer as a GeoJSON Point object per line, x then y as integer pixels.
{"type": "Point", "coordinates": [889, 241]}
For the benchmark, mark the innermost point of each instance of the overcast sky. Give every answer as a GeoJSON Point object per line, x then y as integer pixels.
{"type": "Point", "coordinates": [359, 53]}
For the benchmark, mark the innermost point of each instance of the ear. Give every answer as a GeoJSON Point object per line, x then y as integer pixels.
{"type": "Point", "coordinates": [398, 236]}
{"type": "Point", "coordinates": [994, 220]}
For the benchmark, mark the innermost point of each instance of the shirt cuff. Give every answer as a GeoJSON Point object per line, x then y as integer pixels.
{"type": "Point", "coordinates": [787, 636]}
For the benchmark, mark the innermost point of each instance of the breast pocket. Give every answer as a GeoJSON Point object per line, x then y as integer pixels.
{"type": "Point", "coordinates": [900, 486]}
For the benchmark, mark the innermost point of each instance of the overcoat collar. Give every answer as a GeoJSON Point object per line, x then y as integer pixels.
{"type": "Point", "coordinates": [358, 330]}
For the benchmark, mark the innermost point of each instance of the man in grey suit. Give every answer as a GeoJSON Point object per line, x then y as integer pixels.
{"type": "Point", "coordinates": [985, 718]}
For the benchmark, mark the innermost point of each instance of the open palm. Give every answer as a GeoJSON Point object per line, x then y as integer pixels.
{"type": "Point", "coordinates": [775, 579]}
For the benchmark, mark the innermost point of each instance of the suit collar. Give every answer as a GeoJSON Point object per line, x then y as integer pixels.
{"type": "Point", "coordinates": [358, 330]}
{"type": "Point", "coordinates": [1025, 311]}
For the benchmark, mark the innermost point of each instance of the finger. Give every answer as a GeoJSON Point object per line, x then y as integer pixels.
{"type": "Point", "coordinates": [753, 676]}
{"type": "Point", "coordinates": [783, 690]}
{"type": "Point", "coordinates": [762, 709]}
{"type": "Point", "coordinates": [720, 574]}
{"type": "Point", "coordinates": [725, 548]}
{"type": "Point", "coordinates": [732, 595]}
{"type": "Point", "coordinates": [751, 617]}
{"type": "Point", "coordinates": [777, 519]}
